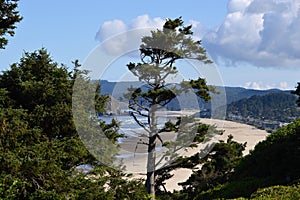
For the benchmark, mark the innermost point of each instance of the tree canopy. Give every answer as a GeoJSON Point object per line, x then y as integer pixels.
{"type": "Point", "coordinates": [297, 92]}
{"type": "Point", "coordinates": [9, 16]}
{"type": "Point", "coordinates": [274, 106]}
{"type": "Point", "coordinates": [41, 153]}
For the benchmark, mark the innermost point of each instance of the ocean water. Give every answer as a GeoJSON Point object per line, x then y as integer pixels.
{"type": "Point", "coordinates": [128, 125]}
{"type": "Point", "coordinates": [131, 130]}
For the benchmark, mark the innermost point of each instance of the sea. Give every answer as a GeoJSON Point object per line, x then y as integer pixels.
{"type": "Point", "coordinates": [128, 125]}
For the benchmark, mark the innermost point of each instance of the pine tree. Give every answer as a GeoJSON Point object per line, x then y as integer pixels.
{"type": "Point", "coordinates": [297, 92]}
{"type": "Point", "coordinates": [159, 52]}
{"type": "Point", "coordinates": [8, 18]}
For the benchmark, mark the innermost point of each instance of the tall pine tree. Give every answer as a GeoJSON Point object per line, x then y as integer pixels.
{"type": "Point", "coordinates": [159, 53]}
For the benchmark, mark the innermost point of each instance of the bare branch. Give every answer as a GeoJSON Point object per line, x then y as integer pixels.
{"type": "Point", "coordinates": [139, 122]}
{"type": "Point", "coordinates": [137, 111]}
{"type": "Point", "coordinates": [158, 136]}
{"type": "Point", "coordinates": [139, 142]}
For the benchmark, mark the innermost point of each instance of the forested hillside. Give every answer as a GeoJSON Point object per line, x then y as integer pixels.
{"type": "Point", "coordinates": [266, 111]}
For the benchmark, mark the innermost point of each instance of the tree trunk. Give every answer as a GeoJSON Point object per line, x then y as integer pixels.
{"type": "Point", "coordinates": [150, 182]}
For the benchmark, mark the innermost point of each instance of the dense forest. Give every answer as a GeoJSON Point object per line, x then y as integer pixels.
{"type": "Point", "coordinates": [274, 106]}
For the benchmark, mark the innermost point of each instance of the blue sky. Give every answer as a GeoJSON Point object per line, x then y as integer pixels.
{"type": "Point", "coordinates": [254, 43]}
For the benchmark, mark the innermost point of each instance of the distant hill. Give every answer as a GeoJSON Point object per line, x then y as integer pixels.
{"type": "Point", "coordinates": [277, 106]}
{"type": "Point", "coordinates": [237, 93]}
{"type": "Point", "coordinates": [227, 95]}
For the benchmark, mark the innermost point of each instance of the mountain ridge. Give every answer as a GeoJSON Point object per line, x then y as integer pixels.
{"type": "Point", "coordinates": [231, 93]}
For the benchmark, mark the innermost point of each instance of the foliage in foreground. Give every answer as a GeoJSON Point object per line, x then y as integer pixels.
{"type": "Point", "coordinates": [8, 18]}
{"type": "Point", "coordinates": [278, 192]}
{"type": "Point", "coordinates": [216, 169]}
{"type": "Point", "coordinates": [274, 161]}
{"type": "Point", "coordinates": [40, 149]}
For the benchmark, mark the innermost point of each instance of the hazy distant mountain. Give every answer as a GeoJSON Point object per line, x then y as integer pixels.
{"type": "Point", "coordinates": [237, 93]}
{"type": "Point", "coordinates": [226, 96]}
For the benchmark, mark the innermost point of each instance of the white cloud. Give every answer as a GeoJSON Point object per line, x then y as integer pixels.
{"type": "Point", "coordinates": [260, 32]}
{"type": "Point", "coordinates": [144, 21]}
{"type": "Point", "coordinates": [261, 85]}
{"type": "Point", "coordinates": [110, 28]}
{"type": "Point", "coordinates": [237, 5]}
{"type": "Point", "coordinates": [120, 38]}
{"type": "Point", "coordinates": [284, 86]}
{"type": "Point", "coordinates": [256, 86]}
{"type": "Point", "coordinates": [198, 29]}
{"type": "Point", "coordinates": [128, 36]}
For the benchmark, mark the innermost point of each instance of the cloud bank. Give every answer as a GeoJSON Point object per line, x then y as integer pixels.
{"type": "Point", "coordinates": [263, 33]}
{"type": "Point", "coordinates": [126, 37]}
{"type": "Point", "coordinates": [266, 86]}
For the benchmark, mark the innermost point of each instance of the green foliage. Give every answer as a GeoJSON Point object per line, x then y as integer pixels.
{"type": "Point", "coordinates": [159, 52]}
{"type": "Point", "coordinates": [297, 92]}
{"type": "Point", "coordinates": [9, 17]}
{"type": "Point", "coordinates": [234, 189]}
{"type": "Point", "coordinates": [40, 150]}
{"type": "Point", "coordinates": [44, 90]}
{"type": "Point", "coordinates": [217, 167]}
{"type": "Point", "coordinates": [275, 157]}
{"type": "Point", "coordinates": [202, 131]}
{"type": "Point", "coordinates": [100, 100]}
{"type": "Point", "coordinates": [278, 192]}
{"type": "Point", "coordinates": [273, 162]}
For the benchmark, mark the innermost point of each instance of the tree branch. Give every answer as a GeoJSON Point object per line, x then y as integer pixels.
{"type": "Point", "coordinates": [139, 122]}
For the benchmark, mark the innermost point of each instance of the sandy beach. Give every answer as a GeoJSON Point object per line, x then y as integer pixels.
{"type": "Point", "coordinates": [136, 162]}
{"type": "Point", "coordinates": [241, 133]}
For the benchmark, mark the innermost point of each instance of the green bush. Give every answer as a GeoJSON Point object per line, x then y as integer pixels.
{"type": "Point", "coordinates": [277, 157]}
{"type": "Point", "coordinates": [235, 189]}
{"type": "Point", "coordinates": [278, 192]}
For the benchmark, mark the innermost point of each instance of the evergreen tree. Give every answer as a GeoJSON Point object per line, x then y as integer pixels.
{"type": "Point", "coordinates": [159, 52]}
{"type": "Point", "coordinates": [8, 18]}
{"type": "Point", "coordinates": [217, 167]}
{"type": "Point", "coordinates": [297, 92]}
{"type": "Point", "coordinates": [40, 150]}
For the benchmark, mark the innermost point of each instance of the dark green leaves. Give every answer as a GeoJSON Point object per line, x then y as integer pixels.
{"type": "Point", "coordinates": [8, 18]}
{"type": "Point", "coordinates": [40, 148]}
{"type": "Point", "coordinates": [297, 92]}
